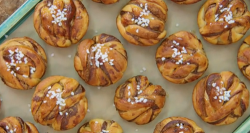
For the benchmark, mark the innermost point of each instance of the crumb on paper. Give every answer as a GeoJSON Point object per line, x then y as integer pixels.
{"type": "Point", "coordinates": [96, 31]}
{"type": "Point", "coordinates": [88, 110]}
{"type": "Point", "coordinates": [69, 56]}
{"type": "Point", "coordinates": [52, 54]}
{"type": "Point", "coordinates": [28, 105]}
{"type": "Point", "coordinates": [177, 25]}
{"type": "Point", "coordinates": [6, 36]}
{"type": "Point", "coordinates": [136, 130]}
{"type": "Point", "coordinates": [98, 88]}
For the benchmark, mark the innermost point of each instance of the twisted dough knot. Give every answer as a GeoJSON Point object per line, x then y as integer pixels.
{"type": "Point", "coordinates": [223, 21]}
{"type": "Point", "coordinates": [138, 100]}
{"type": "Point", "coordinates": [177, 125]}
{"type": "Point", "coordinates": [101, 61]}
{"type": "Point", "coordinates": [61, 23]}
{"type": "Point", "coordinates": [142, 22]}
{"type": "Point", "coordinates": [106, 1]}
{"type": "Point", "coordinates": [100, 126]}
{"type": "Point", "coordinates": [244, 58]}
{"type": "Point", "coordinates": [185, 1]}
{"type": "Point", "coordinates": [16, 125]}
{"type": "Point", "coordinates": [59, 102]}
{"type": "Point", "coordinates": [220, 98]}
{"type": "Point", "coordinates": [23, 62]}
{"type": "Point", "coordinates": [181, 58]}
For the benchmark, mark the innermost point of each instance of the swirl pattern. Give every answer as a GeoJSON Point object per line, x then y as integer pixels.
{"type": "Point", "coordinates": [106, 1]}
{"type": "Point", "coordinates": [138, 100]}
{"type": "Point", "coordinates": [23, 62]}
{"type": "Point", "coordinates": [142, 22]}
{"type": "Point", "coordinates": [223, 21]}
{"type": "Point", "coordinates": [220, 98]}
{"type": "Point", "coordinates": [61, 23]}
{"type": "Point", "coordinates": [100, 126]}
{"type": "Point", "coordinates": [101, 61]}
{"type": "Point", "coordinates": [177, 125]}
{"type": "Point", "coordinates": [181, 58]}
{"type": "Point", "coordinates": [59, 102]}
{"type": "Point", "coordinates": [185, 1]}
{"type": "Point", "coordinates": [243, 58]}
{"type": "Point", "coordinates": [16, 125]}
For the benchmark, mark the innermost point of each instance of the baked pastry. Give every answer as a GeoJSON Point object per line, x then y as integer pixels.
{"type": "Point", "coordinates": [185, 1]}
{"type": "Point", "coordinates": [142, 22]}
{"type": "Point", "coordinates": [106, 1]}
{"type": "Point", "coordinates": [16, 125]}
{"type": "Point", "coordinates": [137, 100]}
{"type": "Point", "coordinates": [181, 58]}
{"type": "Point", "coordinates": [101, 61]}
{"type": "Point", "coordinates": [177, 125]}
{"type": "Point", "coordinates": [61, 23]}
{"type": "Point", "coordinates": [23, 63]}
{"type": "Point", "coordinates": [223, 21]}
{"type": "Point", "coordinates": [100, 126]}
{"type": "Point", "coordinates": [220, 98]}
{"type": "Point", "coordinates": [244, 58]}
{"type": "Point", "coordinates": [59, 102]}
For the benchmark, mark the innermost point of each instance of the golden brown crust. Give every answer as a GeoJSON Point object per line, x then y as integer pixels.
{"type": "Point", "coordinates": [150, 30]}
{"type": "Point", "coordinates": [101, 61]}
{"type": "Point", "coordinates": [138, 100]}
{"type": "Point", "coordinates": [243, 58]}
{"type": "Point", "coordinates": [106, 1]}
{"type": "Point", "coordinates": [177, 125]}
{"type": "Point", "coordinates": [100, 126]}
{"type": "Point", "coordinates": [220, 98]}
{"type": "Point", "coordinates": [59, 102]}
{"type": "Point", "coordinates": [223, 21]}
{"type": "Point", "coordinates": [185, 1]}
{"type": "Point", "coordinates": [23, 62]}
{"type": "Point", "coordinates": [63, 33]}
{"type": "Point", "coordinates": [16, 125]}
{"type": "Point", "coordinates": [181, 58]}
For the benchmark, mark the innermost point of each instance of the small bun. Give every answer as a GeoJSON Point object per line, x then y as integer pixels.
{"type": "Point", "coordinates": [59, 102]}
{"type": "Point", "coordinates": [220, 98]}
{"type": "Point", "coordinates": [137, 100]}
{"type": "Point", "coordinates": [101, 61]}
{"type": "Point", "coordinates": [23, 63]}
{"type": "Point", "coordinates": [100, 126]}
{"type": "Point", "coordinates": [243, 58]}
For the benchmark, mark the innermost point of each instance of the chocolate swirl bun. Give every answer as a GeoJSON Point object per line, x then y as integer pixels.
{"type": "Point", "coordinates": [61, 23]}
{"type": "Point", "coordinates": [185, 1]}
{"type": "Point", "coordinates": [243, 59]}
{"type": "Point", "coordinates": [101, 61]}
{"type": "Point", "coordinates": [59, 102]}
{"type": "Point", "coordinates": [177, 125]}
{"type": "Point", "coordinates": [23, 62]}
{"type": "Point", "coordinates": [100, 126]}
{"type": "Point", "coordinates": [142, 22]}
{"type": "Point", "coordinates": [223, 21]}
{"type": "Point", "coordinates": [106, 1]}
{"type": "Point", "coordinates": [138, 100]}
{"type": "Point", "coordinates": [181, 58]}
{"type": "Point", "coordinates": [220, 98]}
{"type": "Point", "coordinates": [16, 125]}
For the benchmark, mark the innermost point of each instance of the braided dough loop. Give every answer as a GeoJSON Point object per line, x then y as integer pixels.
{"type": "Point", "coordinates": [100, 126]}
{"type": "Point", "coordinates": [129, 104]}
{"type": "Point", "coordinates": [186, 67]}
{"type": "Point", "coordinates": [244, 58]}
{"type": "Point", "coordinates": [72, 29]}
{"type": "Point", "coordinates": [223, 21]}
{"type": "Point", "coordinates": [101, 61]}
{"type": "Point", "coordinates": [143, 35]}
{"type": "Point", "coordinates": [59, 102]}
{"type": "Point", "coordinates": [23, 62]}
{"type": "Point", "coordinates": [173, 125]}
{"type": "Point", "coordinates": [185, 1]}
{"type": "Point", "coordinates": [106, 1]}
{"type": "Point", "coordinates": [208, 104]}
{"type": "Point", "coordinates": [16, 125]}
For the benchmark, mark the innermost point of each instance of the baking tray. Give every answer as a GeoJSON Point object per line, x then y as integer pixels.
{"type": "Point", "coordinates": [103, 20]}
{"type": "Point", "coordinates": [17, 18]}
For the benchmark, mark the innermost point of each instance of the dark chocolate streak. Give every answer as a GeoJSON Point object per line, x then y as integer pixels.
{"type": "Point", "coordinates": [219, 121]}
{"type": "Point", "coordinates": [173, 123]}
{"type": "Point", "coordinates": [230, 81]}
{"type": "Point", "coordinates": [71, 112]}
{"type": "Point", "coordinates": [21, 122]}
{"type": "Point", "coordinates": [104, 125]}
{"type": "Point", "coordinates": [104, 69]}
{"type": "Point", "coordinates": [243, 106]}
